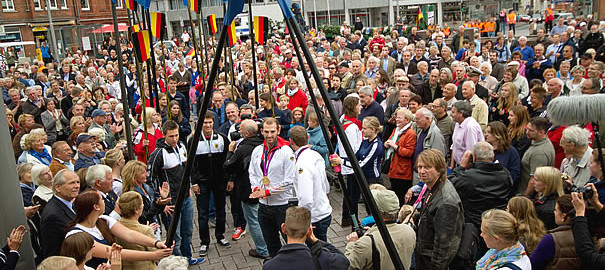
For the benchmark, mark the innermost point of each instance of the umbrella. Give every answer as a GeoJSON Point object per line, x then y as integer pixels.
{"type": "Point", "coordinates": [108, 28]}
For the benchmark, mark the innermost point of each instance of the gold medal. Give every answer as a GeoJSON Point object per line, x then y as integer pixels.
{"type": "Point", "coordinates": [266, 180]}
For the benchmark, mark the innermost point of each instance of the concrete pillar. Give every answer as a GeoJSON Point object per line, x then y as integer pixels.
{"type": "Point", "coordinates": [11, 201]}
{"type": "Point", "coordinates": [439, 13]}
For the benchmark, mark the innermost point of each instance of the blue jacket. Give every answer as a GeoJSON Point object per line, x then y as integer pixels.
{"type": "Point", "coordinates": [318, 143]}
{"type": "Point", "coordinates": [510, 160]}
{"type": "Point", "coordinates": [84, 161]}
{"type": "Point", "coordinates": [284, 121]}
{"type": "Point", "coordinates": [300, 257]}
{"type": "Point", "coordinates": [370, 156]}
{"type": "Point", "coordinates": [45, 51]}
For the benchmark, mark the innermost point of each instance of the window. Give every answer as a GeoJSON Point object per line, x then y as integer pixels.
{"type": "Point", "coordinates": [8, 5]}
{"type": "Point", "coordinates": [37, 4]}
{"type": "Point", "coordinates": [119, 3]}
{"type": "Point", "coordinates": [83, 4]}
{"type": "Point", "coordinates": [64, 4]}
{"type": "Point", "coordinates": [53, 4]}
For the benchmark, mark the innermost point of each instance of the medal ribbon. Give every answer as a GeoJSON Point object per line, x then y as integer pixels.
{"type": "Point", "coordinates": [266, 159]}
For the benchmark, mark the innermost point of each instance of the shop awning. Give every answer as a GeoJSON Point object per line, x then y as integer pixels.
{"type": "Point", "coordinates": [46, 24]}
{"type": "Point", "coordinates": [108, 28]}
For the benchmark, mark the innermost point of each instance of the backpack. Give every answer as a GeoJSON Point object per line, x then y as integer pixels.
{"type": "Point", "coordinates": [465, 256]}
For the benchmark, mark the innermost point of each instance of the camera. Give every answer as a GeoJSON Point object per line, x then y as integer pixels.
{"type": "Point", "coordinates": [292, 202]}
{"type": "Point", "coordinates": [587, 192]}
{"type": "Point", "coordinates": [237, 135]}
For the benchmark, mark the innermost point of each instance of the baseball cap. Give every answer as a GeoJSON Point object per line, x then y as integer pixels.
{"type": "Point", "coordinates": [98, 112]}
{"type": "Point", "coordinates": [386, 201]}
{"type": "Point", "coordinates": [83, 137]}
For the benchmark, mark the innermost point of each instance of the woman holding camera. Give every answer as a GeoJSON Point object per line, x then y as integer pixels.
{"type": "Point", "coordinates": [548, 186]}
{"type": "Point", "coordinates": [556, 250]}
{"type": "Point", "coordinates": [581, 234]}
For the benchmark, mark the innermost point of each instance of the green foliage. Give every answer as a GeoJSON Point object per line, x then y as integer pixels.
{"type": "Point", "coordinates": [330, 30]}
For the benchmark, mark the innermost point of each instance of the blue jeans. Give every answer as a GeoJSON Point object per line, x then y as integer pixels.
{"type": "Point", "coordinates": [321, 228]}
{"type": "Point", "coordinates": [251, 215]}
{"type": "Point", "coordinates": [512, 27]}
{"type": "Point", "coordinates": [503, 27]}
{"type": "Point", "coordinates": [184, 230]}
{"type": "Point", "coordinates": [270, 219]}
{"type": "Point", "coordinates": [212, 208]}
{"type": "Point", "coordinates": [203, 203]}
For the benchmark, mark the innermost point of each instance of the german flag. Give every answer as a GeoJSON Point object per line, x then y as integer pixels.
{"type": "Point", "coordinates": [212, 24]}
{"type": "Point", "coordinates": [261, 29]}
{"type": "Point", "coordinates": [130, 4]}
{"type": "Point", "coordinates": [158, 25]}
{"type": "Point", "coordinates": [142, 45]}
{"type": "Point", "coordinates": [231, 34]}
{"type": "Point", "coordinates": [195, 6]}
{"type": "Point", "coordinates": [191, 53]}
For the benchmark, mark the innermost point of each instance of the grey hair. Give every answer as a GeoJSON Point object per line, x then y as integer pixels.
{"type": "Point", "coordinates": [103, 102]}
{"type": "Point", "coordinates": [487, 65]}
{"type": "Point", "coordinates": [249, 126]}
{"type": "Point", "coordinates": [119, 108]}
{"type": "Point", "coordinates": [426, 113]}
{"type": "Point", "coordinates": [36, 171]}
{"type": "Point", "coordinates": [483, 151]}
{"type": "Point", "coordinates": [576, 135]}
{"type": "Point", "coordinates": [367, 90]}
{"type": "Point", "coordinates": [173, 262]}
{"type": "Point", "coordinates": [317, 95]}
{"type": "Point", "coordinates": [558, 81]}
{"type": "Point", "coordinates": [464, 107]}
{"type": "Point", "coordinates": [59, 178]}
{"type": "Point", "coordinates": [96, 172]}
{"type": "Point", "coordinates": [374, 58]}
{"type": "Point", "coordinates": [98, 132]}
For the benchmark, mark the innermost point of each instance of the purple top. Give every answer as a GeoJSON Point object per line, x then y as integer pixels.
{"type": "Point", "coordinates": [544, 253]}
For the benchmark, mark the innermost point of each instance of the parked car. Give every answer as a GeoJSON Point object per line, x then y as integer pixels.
{"type": "Point", "coordinates": [524, 18]}
{"type": "Point", "coordinates": [562, 14]}
{"type": "Point", "coordinates": [168, 43]}
{"type": "Point", "coordinates": [537, 17]}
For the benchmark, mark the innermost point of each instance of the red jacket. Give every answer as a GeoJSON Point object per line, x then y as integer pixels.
{"type": "Point", "coordinates": [299, 99]}
{"type": "Point", "coordinates": [401, 163]}
{"type": "Point", "coordinates": [139, 149]}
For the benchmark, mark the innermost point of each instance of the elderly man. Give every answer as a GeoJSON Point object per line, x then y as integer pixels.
{"type": "Point", "coordinates": [540, 153]}
{"type": "Point", "coordinates": [575, 145]}
{"type": "Point", "coordinates": [357, 70]}
{"type": "Point", "coordinates": [554, 89]}
{"type": "Point", "coordinates": [33, 105]}
{"type": "Point", "coordinates": [444, 122]}
{"type": "Point", "coordinates": [359, 249]}
{"type": "Point", "coordinates": [407, 65]}
{"type": "Point", "coordinates": [591, 86]}
{"type": "Point", "coordinates": [446, 58]}
{"type": "Point", "coordinates": [369, 106]}
{"type": "Point", "coordinates": [431, 89]}
{"type": "Point", "coordinates": [449, 95]}
{"type": "Point", "coordinates": [526, 51]}
{"type": "Point", "coordinates": [88, 154]}
{"type": "Point", "coordinates": [345, 75]}
{"type": "Point", "coordinates": [538, 64]}
{"type": "Point", "coordinates": [422, 76]}
{"type": "Point", "coordinates": [429, 136]}
{"type": "Point", "coordinates": [58, 212]}
{"type": "Point", "coordinates": [480, 110]}
{"type": "Point", "coordinates": [467, 131]}
{"type": "Point", "coordinates": [398, 53]}
{"type": "Point", "coordinates": [61, 152]}
{"type": "Point", "coordinates": [98, 177]}
{"type": "Point", "coordinates": [567, 54]}
{"type": "Point", "coordinates": [99, 120]}
{"type": "Point", "coordinates": [372, 67]}
{"type": "Point", "coordinates": [474, 75]}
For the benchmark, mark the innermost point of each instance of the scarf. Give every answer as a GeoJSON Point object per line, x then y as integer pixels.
{"type": "Point", "coordinates": [291, 92]}
{"type": "Point", "coordinates": [43, 157]}
{"type": "Point", "coordinates": [350, 120]}
{"type": "Point", "coordinates": [494, 259]}
{"type": "Point", "coordinates": [395, 137]}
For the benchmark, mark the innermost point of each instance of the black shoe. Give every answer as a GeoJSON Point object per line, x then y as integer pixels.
{"type": "Point", "coordinates": [223, 242]}
{"type": "Point", "coordinates": [346, 222]}
{"type": "Point", "coordinates": [255, 254]}
{"type": "Point", "coordinates": [203, 250]}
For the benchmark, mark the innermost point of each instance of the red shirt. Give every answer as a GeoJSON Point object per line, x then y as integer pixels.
{"type": "Point", "coordinates": [299, 99]}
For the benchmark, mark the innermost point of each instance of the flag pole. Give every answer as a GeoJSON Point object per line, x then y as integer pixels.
{"type": "Point", "coordinates": [268, 79]}
{"type": "Point", "coordinates": [360, 178]}
{"type": "Point", "coordinates": [324, 130]}
{"type": "Point", "coordinates": [252, 41]}
{"type": "Point", "coordinates": [127, 130]}
{"type": "Point", "coordinates": [193, 36]}
{"type": "Point", "coordinates": [203, 42]}
{"type": "Point", "coordinates": [232, 67]}
{"type": "Point", "coordinates": [202, 50]}
{"type": "Point", "coordinates": [184, 188]}
{"type": "Point", "coordinates": [141, 86]}
{"type": "Point", "coordinates": [153, 63]}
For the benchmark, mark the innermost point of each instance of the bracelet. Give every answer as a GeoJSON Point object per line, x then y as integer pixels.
{"type": "Point", "coordinates": [156, 244]}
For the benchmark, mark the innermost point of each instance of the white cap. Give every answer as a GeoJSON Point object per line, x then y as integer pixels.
{"type": "Point", "coordinates": [513, 63]}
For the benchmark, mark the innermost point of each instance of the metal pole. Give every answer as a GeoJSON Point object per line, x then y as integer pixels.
{"type": "Point", "coordinates": [252, 41]}
{"type": "Point", "coordinates": [184, 189]}
{"type": "Point", "coordinates": [202, 50]}
{"type": "Point", "coordinates": [315, 15]}
{"type": "Point", "coordinates": [122, 85]}
{"type": "Point", "coordinates": [365, 190]}
{"type": "Point", "coordinates": [53, 38]}
{"type": "Point", "coordinates": [141, 88]}
{"type": "Point", "coordinates": [194, 39]}
{"type": "Point", "coordinates": [324, 129]}
{"type": "Point", "coordinates": [328, 6]}
{"type": "Point", "coordinates": [153, 68]}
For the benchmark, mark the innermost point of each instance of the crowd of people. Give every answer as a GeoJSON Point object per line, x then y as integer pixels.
{"type": "Point", "coordinates": [452, 134]}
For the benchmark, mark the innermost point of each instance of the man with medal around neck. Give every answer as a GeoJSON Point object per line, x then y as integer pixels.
{"type": "Point", "coordinates": [272, 175]}
{"type": "Point", "coordinates": [208, 176]}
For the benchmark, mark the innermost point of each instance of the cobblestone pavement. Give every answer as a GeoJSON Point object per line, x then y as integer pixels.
{"type": "Point", "coordinates": [236, 256]}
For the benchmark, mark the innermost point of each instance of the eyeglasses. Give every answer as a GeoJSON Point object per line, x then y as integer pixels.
{"type": "Point", "coordinates": [332, 67]}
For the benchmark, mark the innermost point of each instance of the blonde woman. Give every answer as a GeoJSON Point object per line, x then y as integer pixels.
{"type": "Point", "coordinates": [507, 100]}
{"type": "Point", "coordinates": [131, 209]}
{"type": "Point", "coordinates": [531, 228]}
{"type": "Point", "coordinates": [114, 158]}
{"type": "Point", "coordinates": [548, 186]}
{"type": "Point", "coordinates": [499, 230]}
{"type": "Point", "coordinates": [35, 150]}
{"type": "Point", "coordinates": [134, 177]}
{"type": "Point", "coordinates": [575, 84]}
